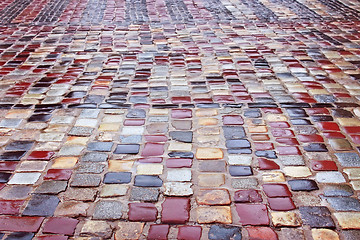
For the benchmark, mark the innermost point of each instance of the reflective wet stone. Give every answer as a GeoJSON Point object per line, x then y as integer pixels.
{"type": "Point", "coordinates": [175, 210]}
{"type": "Point", "coordinates": [252, 214]}
{"type": "Point", "coordinates": [261, 233]}
{"type": "Point", "coordinates": [316, 147]}
{"type": "Point", "coordinates": [117, 177]}
{"type": "Point", "coordinates": [189, 233]}
{"type": "Point", "coordinates": [60, 225]}
{"type": "Point", "coordinates": [19, 146]}
{"type": "Point", "coordinates": [12, 155]}
{"type": "Point", "coordinates": [266, 154]}
{"type": "Point", "coordinates": [265, 164]}
{"type": "Point", "coordinates": [276, 190]}
{"type": "Point", "coordinates": [4, 177]}
{"type": "Point", "coordinates": [158, 231]}
{"type": "Point", "coordinates": [182, 136]}
{"type": "Point", "coordinates": [142, 212]}
{"type": "Point", "coordinates": [303, 185]}
{"type": "Point", "coordinates": [148, 181]}
{"type": "Point", "coordinates": [41, 205]}
{"type": "Point", "coordinates": [127, 149]}
{"type": "Point", "coordinates": [281, 203]}
{"type": "Point", "coordinates": [247, 196]}
{"type": "Point", "coordinates": [240, 170]}
{"type": "Point", "coordinates": [136, 113]}
{"type": "Point", "coordinates": [181, 155]}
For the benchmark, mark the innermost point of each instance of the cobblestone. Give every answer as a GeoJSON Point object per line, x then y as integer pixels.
{"type": "Point", "coordinates": [179, 119]}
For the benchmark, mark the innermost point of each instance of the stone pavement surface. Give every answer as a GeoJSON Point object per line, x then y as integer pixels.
{"type": "Point", "coordinates": [180, 119]}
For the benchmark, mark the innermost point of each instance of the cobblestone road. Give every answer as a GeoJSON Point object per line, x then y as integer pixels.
{"type": "Point", "coordinates": [180, 119]}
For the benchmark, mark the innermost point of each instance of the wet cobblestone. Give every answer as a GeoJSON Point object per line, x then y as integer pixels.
{"type": "Point", "coordinates": [178, 119]}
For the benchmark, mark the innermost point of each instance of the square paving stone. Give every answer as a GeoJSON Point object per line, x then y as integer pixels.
{"type": "Point", "coordinates": [236, 170]}
{"type": "Point", "coordinates": [80, 194]}
{"type": "Point", "coordinates": [127, 149]}
{"type": "Point", "coordinates": [344, 203]}
{"type": "Point", "coordinates": [41, 205]}
{"type": "Point", "coordinates": [247, 196]}
{"type": "Point", "coordinates": [113, 190]}
{"type": "Point", "coordinates": [337, 190]}
{"type": "Point", "coordinates": [240, 143]}
{"type": "Point", "coordinates": [189, 233]}
{"type": "Point", "coordinates": [95, 157]}
{"type": "Point", "coordinates": [281, 204]}
{"type": "Point", "coordinates": [148, 181]}
{"type": "Point", "coordinates": [81, 131]}
{"type": "Point", "coordinates": [90, 167]}
{"type": "Point", "coordinates": [317, 217]}
{"type": "Point", "coordinates": [100, 146]}
{"type": "Point", "coordinates": [60, 225]}
{"type": "Point", "coordinates": [16, 192]}
{"type": "Point", "coordinates": [330, 177]}
{"type": "Point", "coordinates": [244, 183]}
{"type": "Point", "coordinates": [10, 207]}
{"type": "Point", "coordinates": [10, 123]}
{"type": "Point", "coordinates": [212, 166]}
{"type": "Point", "coordinates": [252, 214]}
{"type": "Point", "coordinates": [19, 146]}
{"type": "Point", "coordinates": [12, 156]}
{"type": "Point", "coordinates": [117, 177]}
{"type": "Point", "coordinates": [182, 136]}
{"type": "Point", "coordinates": [71, 150]}
{"type": "Point", "coordinates": [142, 212]}
{"type": "Point", "coordinates": [348, 159]}
{"type": "Point", "coordinates": [136, 113]}
{"type": "Point", "coordinates": [224, 232]}
{"type": "Point", "coordinates": [24, 178]}
{"type": "Point", "coordinates": [179, 175]}
{"type": "Point", "coordinates": [86, 180]}
{"type": "Point", "coordinates": [175, 210]}
{"type": "Point", "coordinates": [276, 190]}
{"type": "Point", "coordinates": [231, 132]}
{"type": "Point", "coordinates": [131, 139]}
{"type": "Point", "coordinates": [158, 231]}
{"type": "Point", "coordinates": [144, 194]}
{"type": "Point", "coordinates": [303, 185]}
{"type": "Point", "coordinates": [108, 209]}
{"type": "Point", "coordinates": [51, 187]}
{"type": "Point", "coordinates": [214, 214]}
{"type": "Point", "coordinates": [89, 113]}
